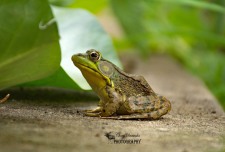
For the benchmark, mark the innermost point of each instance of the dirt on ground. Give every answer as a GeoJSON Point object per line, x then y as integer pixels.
{"type": "Point", "coordinates": [196, 122]}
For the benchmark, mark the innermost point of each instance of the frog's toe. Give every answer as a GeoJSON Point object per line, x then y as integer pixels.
{"type": "Point", "coordinates": [92, 114]}
{"type": "Point", "coordinates": [96, 110]}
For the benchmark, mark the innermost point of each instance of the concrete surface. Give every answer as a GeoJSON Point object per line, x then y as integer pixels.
{"type": "Point", "coordinates": [195, 124]}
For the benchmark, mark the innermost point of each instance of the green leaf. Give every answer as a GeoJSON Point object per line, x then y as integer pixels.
{"type": "Point", "coordinates": [198, 3]}
{"type": "Point", "coordinates": [90, 5]}
{"type": "Point", "coordinates": [58, 79]}
{"type": "Point", "coordinates": [29, 49]}
{"type": "Point", "coordinates": [61, 2]}
{"type": "Point", "coordinates": [79, 31]}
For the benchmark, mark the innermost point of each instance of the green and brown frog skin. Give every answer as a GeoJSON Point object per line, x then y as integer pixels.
{"type": "Point", "coordinates": [122, 95]}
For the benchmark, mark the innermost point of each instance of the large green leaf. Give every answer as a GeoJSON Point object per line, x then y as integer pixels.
{"type": "Point", "coordinates": [80, 31]}
{"type": "Point", "coordinates": [29, 51]}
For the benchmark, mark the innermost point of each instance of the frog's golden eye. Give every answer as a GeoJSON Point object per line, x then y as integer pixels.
{"type": "Point", "coordinates": [94, 56]}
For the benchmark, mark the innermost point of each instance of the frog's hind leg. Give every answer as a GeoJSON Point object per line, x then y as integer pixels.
{"type": "Point", "coordinates": [165, 104]}
{"type": "Point", "coordinates": [146, 110]}
{"type": "Point", "coordinates": [165, 107]}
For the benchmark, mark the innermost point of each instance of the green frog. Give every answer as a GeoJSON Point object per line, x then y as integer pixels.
{"type": "Point", "coordinates": [122, 95]}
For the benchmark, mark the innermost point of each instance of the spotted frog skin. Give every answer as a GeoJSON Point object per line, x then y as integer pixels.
{"type": "Point", "coordinates": [122, 95]}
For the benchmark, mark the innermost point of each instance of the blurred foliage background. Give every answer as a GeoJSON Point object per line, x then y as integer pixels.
{"type": "Point", "coordinates": [191, 31]}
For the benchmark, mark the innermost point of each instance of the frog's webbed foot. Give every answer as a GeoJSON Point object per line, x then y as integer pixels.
{"type": "Point", "coordinates": [5, 98]}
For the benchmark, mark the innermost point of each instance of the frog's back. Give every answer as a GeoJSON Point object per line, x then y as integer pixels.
{"type": "Point", "coordinates": [130, 85]}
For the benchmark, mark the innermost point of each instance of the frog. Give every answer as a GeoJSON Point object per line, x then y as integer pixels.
{"type": "Point", "coordinates": [122, 95]}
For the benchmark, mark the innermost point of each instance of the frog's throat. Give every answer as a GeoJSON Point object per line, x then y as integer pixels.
{"type": "Point", "coordinates": [86, 70]}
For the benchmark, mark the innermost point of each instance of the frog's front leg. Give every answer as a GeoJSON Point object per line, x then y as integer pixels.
{"type": "Point", "coordinates": [95, 110]}
{"type": "Point", "coordinates": [109, 106]}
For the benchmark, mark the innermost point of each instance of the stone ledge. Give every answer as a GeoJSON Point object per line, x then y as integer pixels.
{"type": "Point", "coordinates": [196, 122]}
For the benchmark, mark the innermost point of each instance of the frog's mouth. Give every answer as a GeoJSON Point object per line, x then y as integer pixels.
{"type": "Point", "coordinates": [85, 67]}
{"type": "Point", "coordinates": [80, 61]}
{"type": "Point", "coordinates": [92, 75]}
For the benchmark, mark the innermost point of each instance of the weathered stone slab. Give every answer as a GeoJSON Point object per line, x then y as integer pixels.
{"type": "Point", "coordinates": [196, 122]}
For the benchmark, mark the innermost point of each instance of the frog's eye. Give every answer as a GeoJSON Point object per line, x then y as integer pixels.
{"type": "Point", "coordinates": [94, 56]}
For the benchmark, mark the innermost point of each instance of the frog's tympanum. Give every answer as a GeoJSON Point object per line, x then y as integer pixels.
{"type": "Point", "coordinates": [122, 95]}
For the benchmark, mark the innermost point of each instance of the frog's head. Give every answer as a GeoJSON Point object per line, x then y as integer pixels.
{"type": "Point", "coordinates": [95, 69]}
